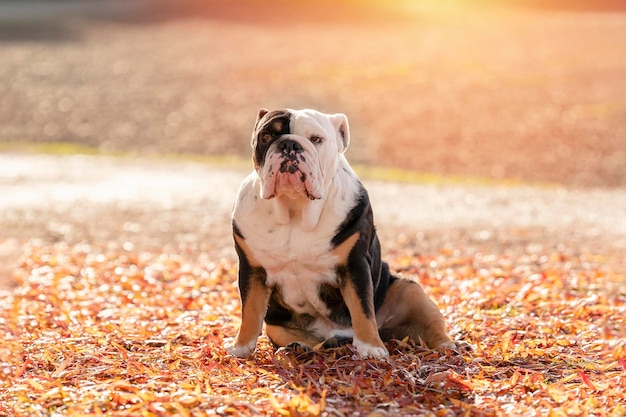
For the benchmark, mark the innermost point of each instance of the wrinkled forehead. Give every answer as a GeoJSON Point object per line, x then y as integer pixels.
{"type": "Point", "coordinates": [307, 122]}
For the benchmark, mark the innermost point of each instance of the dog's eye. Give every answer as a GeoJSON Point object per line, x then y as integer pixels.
{"type": "Point", "coordinates": [266, 138]}
{"type": "Point", "coordinates": [316, 139]}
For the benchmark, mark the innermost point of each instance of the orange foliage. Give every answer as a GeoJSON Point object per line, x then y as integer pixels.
{"type": "Point", "coordinates": [97, 333]}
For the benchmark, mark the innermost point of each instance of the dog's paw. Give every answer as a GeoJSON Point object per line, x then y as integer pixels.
{"type": "Point", "coordinates": [336, 341]}
{"type": "Point", "coordinates": [294, 347]}
{"type": "Point", "coordinates": [241, 351]}
{"type": "Point", "coordinates": [456, 346]}
{"type": "Point", "coordinates": [366, 350]}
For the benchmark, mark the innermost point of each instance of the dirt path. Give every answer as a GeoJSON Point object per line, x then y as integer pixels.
{"type": "Point", "coordinates": [155, 204]}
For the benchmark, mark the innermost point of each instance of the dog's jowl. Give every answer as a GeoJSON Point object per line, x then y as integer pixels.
{"type": "Point", "coordinates": [309, 257]}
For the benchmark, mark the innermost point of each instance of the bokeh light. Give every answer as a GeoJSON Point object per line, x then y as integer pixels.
{"type": "Point", "coordinates": [518, 90]}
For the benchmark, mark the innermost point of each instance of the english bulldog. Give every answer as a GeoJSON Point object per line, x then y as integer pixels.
{"type": "Point", "coordinates": [309, 257]}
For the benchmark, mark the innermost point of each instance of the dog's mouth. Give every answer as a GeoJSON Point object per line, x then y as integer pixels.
{"type": "Point", "coordinates": [290, 174]}
{"type": "Point", "coordinates": [289, 180]}
{"type": "Point", "coordinates": [292, 181]}
{"type": "Point", "coordinates": [290, 165]}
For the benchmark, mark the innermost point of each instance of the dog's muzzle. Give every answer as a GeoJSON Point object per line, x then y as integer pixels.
{"type": "Point", "coordinates": [290, 169]}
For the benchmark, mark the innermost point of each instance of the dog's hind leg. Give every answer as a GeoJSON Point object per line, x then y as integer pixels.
{"type": "Point", "coordinates": [408, 311]}
{"type": "Point", "coordinates": [286, 337]}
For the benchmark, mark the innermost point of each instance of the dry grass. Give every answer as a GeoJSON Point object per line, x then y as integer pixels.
{"type": "Point", "coordinates": [141, 334]}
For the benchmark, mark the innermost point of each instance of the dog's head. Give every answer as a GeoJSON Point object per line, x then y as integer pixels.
{"type": "Point", "coordinates": [295, 152]}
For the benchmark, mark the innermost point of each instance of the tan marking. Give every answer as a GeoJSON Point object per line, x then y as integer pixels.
{"type": "Point", "coordinates": [283, 336]}
{"type": "Point", "coordinates": [343, 250]}
{"type": "Point", "coordinates": [246, 249]}
{"type": "Point", "coordinates": [409, 311]}
{"type": "Point", "coordinates": [365, 329]}
{"type": "Point", "coordinates": [277, 126]}
{"type": "Point", "coordinates": [253, 312]}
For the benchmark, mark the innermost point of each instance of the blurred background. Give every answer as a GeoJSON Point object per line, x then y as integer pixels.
{"type": "Point", "coordinates": [527, 90]}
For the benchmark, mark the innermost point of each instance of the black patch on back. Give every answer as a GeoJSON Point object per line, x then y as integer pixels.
{"type": "Point", "coordinates": [359, 216]}
{"type": "Point", "coordinates": [268, 129]}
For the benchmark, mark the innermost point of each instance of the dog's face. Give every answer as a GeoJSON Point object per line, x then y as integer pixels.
{"type": "Point", "coordinates": [294, 149]}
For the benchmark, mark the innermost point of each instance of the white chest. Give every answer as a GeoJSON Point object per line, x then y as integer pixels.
{"type": "Point", "coordinates": [297, 263]}
{"type": "Point", "coordinates": [297, 259]}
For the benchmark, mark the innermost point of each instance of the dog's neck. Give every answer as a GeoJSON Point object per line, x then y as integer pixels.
{"type": "Point", "coordinates": [290, 210]}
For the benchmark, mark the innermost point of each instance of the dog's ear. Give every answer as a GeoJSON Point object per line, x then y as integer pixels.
{"type": "Point", "coordinates": [262, 112]}
{"type": "Point", "coordinates": [340, 122]}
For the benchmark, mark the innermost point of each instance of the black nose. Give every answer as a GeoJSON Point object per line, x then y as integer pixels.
{"type": "Point", "coordinates": [289, 146]}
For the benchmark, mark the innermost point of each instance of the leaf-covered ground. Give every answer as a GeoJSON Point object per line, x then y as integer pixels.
{"type": "Point", "coordinates": [99, 332]}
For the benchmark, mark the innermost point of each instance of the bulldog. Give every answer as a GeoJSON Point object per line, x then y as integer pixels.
{"type": "Point", "coordinates": [309, 257]}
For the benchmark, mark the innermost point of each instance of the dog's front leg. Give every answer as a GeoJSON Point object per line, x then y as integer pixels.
{"type": "Point", "coordinates": [357, 291]}
{"type": "Point", "coordinates": [254, 300]}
